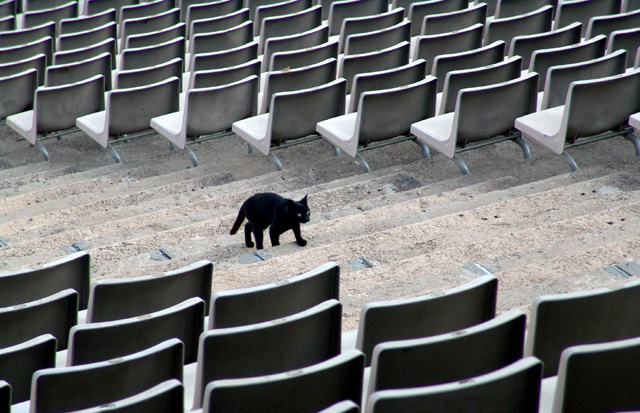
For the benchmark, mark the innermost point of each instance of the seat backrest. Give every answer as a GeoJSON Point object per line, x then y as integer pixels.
{"type": "Point", "coordinates": [276, 346]}
{"type": "Point", "coordinates": [222, 40]}
{"type": "Point", "coordinates": [148, 75]}
{"type": "Point", "coordinates": [388, 58]}
{"type": "Point", "coordinates": [278, 9]}
{"type": "Point", "coordinates": [94, 342]}
{"type": "Point", "coordinates": [148, 9]}
{"type": "Point", "coordinates": [53, 315]}
{"type": "Point", "coordinates": [527, 44]}
{"type": "Point", "coordinates": [503, 103]}
{"type": "Point", "coordinates": [8, 23]}
{"type": "Point", "coordinates": [117, 299]}
{"type": "Point", "coordinates": [510, 8]}
{"type": "Point", "coordinates": [296, 79]}
{"type": "Point", "coordinates": [364, 24]}
{"type": "Point", "coordinates": [82, 23]}
{"type": "Point", "coordinates": [148, 24]}
{"type": "Point", "coordinates": [224, 58]}
{"type": "Point", "coordinates": [560, 77]}
{"type": "Point", "coordinates": [160, 36]}
{"type": "Point", "coordinates": [385, 79]}
{"type": "Point", "coordinates": [207, 10]}
{"type": "Point", "coordinates": [31, 5]}
{"type": "Point", "coordinates": [77, 55]}
{"type": "Point", "coordinates": [454, 309]}
{"type": "Point", "coordinates": [57, 107]}
{"type": "Point", "coordinates": [323, 384]}
{"type": "Point", "coordinates": [607, 24]}
{"type": "Point", "coordinates": [218, 23]}
{"type": "Point", "coordinates": [629, 5]}
{"type": "Point", "coordinates": [416, 11]}
{"type": "Point", "coordinates": [8, 8]}
{"type": "Point", "coordinates": [514, 388]}
{"type": "Point", "coordinates": [86, 38]}
{"type": "Point", "coordinates": [457, 80]}
{"type": "Point", "coordinates": [26, 51]}
{"type": "Point", "coordinates": [254, 4]}
{"type": "Point", "coordinates": [378, 121]}
{"type": "Point", "coordinates": [563, 320]}
{"type": "Point", "coordinates": [314, 37]}
{"type": "Point", "coordinates": [482, 56]}
{"type": "Point", "coordinates": [628, 40]}
{"type": "Point", "coordinates": [582, 11]}
{"type": "Point", "coordinates": [38, 62]}
{"type": "Point", "coordinates": [340, 10]}
{"type": "Point", "coordinates": [16, 92]}
{"type": "Point", "coordinates": [54, 14]}
{"type": "Point", "coordinates": [100, 383]}
{"type": "Point", "coordinates": [345, 406]}
{"type": "Point", "coordinates": [454, 20]}
{"type": "Point", "coordinates": [24, 36]}
{"type": "Point", "coordinates": [543, 59]}
{"type": "Point", "coordinates": [140, 57]}
{"type": "Point", "coordinates": [289, 24]}
{"type": "Point", "coordinates": [214, 109]}
{"type": "Point", "coordinates": [71, 271]}
{"type": "Point", "coordinates": [606, 369]}
{"type": "Point", "coordinates": [19, 362]}
{"type": "Point", "coordinates": [226, 75]}
{"type": "Point", "coordinates": [98, 6]}
{"type": "Point", "coordinates": [379, 39]}
{"type": "Point", "coordinates": [58, 75]}
{"type": "Point", "coordinates": [303, 57]}
{"type": "Point", "coordinates": [295, 114]}
{"type": "Point", "coordinates": [429, 46]}
{"type": "Point", "coordinates": [537, 21]}
{"type": "Point", "coordinates": [459, 355]}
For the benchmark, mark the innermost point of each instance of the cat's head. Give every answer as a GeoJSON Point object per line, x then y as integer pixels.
{"type": "Point", "coordinates": [299, 209]}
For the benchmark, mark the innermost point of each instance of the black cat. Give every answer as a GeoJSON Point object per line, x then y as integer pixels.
{"type": "Point", "coordinates": [268, 209]}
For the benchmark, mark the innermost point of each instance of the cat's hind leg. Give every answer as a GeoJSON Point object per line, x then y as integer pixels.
{"type": "Point", "coordinates": [257, 233]}
{"type": "Point", "coordinates": [248, 229]}
{"type": "Point", "coordinates": [274, 234]}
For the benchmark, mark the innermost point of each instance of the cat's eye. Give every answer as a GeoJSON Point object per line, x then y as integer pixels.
{"type": "Point", "coordinates": [299, 215]}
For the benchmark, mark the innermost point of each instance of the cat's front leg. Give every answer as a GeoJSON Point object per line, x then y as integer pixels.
{"type": "Point", "coordinates": [299, 239]}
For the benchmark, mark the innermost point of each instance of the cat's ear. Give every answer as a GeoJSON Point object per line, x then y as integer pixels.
{"type": "Point", "coordinates": [304, 200]}
{"type": "Point", "coordinates": [291, 206]}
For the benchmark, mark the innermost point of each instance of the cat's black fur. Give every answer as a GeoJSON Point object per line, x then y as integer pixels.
{"type": "Point", "coordinates": [268, 209]}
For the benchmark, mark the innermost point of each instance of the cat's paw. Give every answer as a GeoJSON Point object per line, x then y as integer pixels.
{"type": "Point", "coordinates": [249, 244]}
{"type": "Point", "coordinates": [301, 242]}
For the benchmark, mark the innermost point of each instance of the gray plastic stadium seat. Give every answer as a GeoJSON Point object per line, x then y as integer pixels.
{"type": "Point", "coordinates": [117, 299]}
{"type": "Point", "coordinates": [144, 9]}
{"type": "Point", "coordinates": [19, 362]}
{"type": "Point", "coordinates": [543, 59]}
{"type": "Point", "coordinates": [166, 397]}
{"type": "Point", "coordinates": [278, 9]}
{"type": "Point", "coordinates": [628, 40]}
{"type": "Point", "coordinates": [58, 75]}
{"type": "Point", "coordinates": [582, 11]}
{"type": "Point", "coordinates": [72, 271]}
{"type": "Point", "coordinates": [314, 37]}
{"type": "Point", "coordinates": [607, 371]}
{"type": "Point", "coordinates": [525, 45]}
{"type": "Point", "coordinates": [53, 315]}
{"type": "Point", "coordinates": [82, 23]}
{"type": "Point", "coordinates": [38, 62]}
{"type": "Point", "coordinates": [482, 56]}
{"type": "Point", "coordinates": [55, 14]}
{"type": "Point", "coordinates": [140, 57]}
{"type": "Point", "coordinates": [94, 342]}
{"type": "Point", "coordinates": [99, 6]}
{"type": "Point", "coordinates": [563, 320]}
{"type": "Point", "coordinates": [455, 80]}
{"type": "Point", "coordinates": [226, 75]}
{"type": "Point", "coordinates": [308, 389]}
{"type": "Point", "coordinates": [289, 24]}
{"type": "Point", "coordinates": [388, 58]}
{"type": "Point", "coordinates": [537, 21]}
{"type": "Point", "coordinates": [254, 4]}
{"type": "Point", "coordinates": [31, 5]}
{"type": "Point", "coordinates": [430, 46]}
{"type": "Point", "coordinates": [87, 38]}
{"type": "Point", "coordinates": [559, 77]}
{"type": "Point", "coordinates": [382, 115]}
{"type": "Point", "coordinates": [26, 51]}
{"type": "Point", "coordinates": [96, 384]}
{"type": "Point", "coordinates": [449, 357]}
{"type": "Point", "coordinates": [8, 8]}
{"type": "Point", "coordinates": [303, 57]}
{"type": "Point", "coordinates": [345, 406]}
{"type": "Point", "coordinates": [160, 36]}
{"type": "Point", "coordinates": [218, 23]}
{"type": "Point", "coordinates": [364, 24]}
{"type": "Point", "coordinates": [56, 108]}
{"type": "Point", "coordinates": [452, 21]}
{"type": "Point", "coordinates": [514, 388]}
{"type": "Point", "coordinates": [629, 5]}
{"type": "Point", "coordinates": [483, 114]}
{"type": "Point", "coordinates": [207, 10]}
{"type": "Point", "coordinates": [147, 75]}
{"type": "Point", "coordinates": [221, 40]}
{"type": "Point", "coordinates": [607, 24]}
{"type": "Point", "coordinates": [148, 24]}
{"type": "Point", "coordinates": [241, 307]}
{"type": "Point", "coordinates": [77, 55]}
{"type": "Point", "coordinates": [16, 92]}
{"type": "Point", "coordinates": [417, 10]}
{"type": "Point", "coordinates": [5, 396]}
{"type": "Point", "coordinates": [24, 36]}
{"type": "Point", "coordinates": [510, 8]}
{"type": "Point", "coordinates": [225, 58]}
{"type": "Point", "coordinates": [454, 309]}
{"type": "Point", "coordinates": [7, 23]}
{"type": "Point", "coordinates": [276, 346]}
{"type": "Point", "coordinates": [587, 101]}
{"type": "Point", "coordinates": [336, 11]}
{"type": "Point", "coordinates": [379, 39]}
{"type": "Point", "coordinates": [384, 79]}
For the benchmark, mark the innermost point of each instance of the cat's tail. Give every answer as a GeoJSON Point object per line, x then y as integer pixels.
{"type": "Point", "coordinates": [236, 225]}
